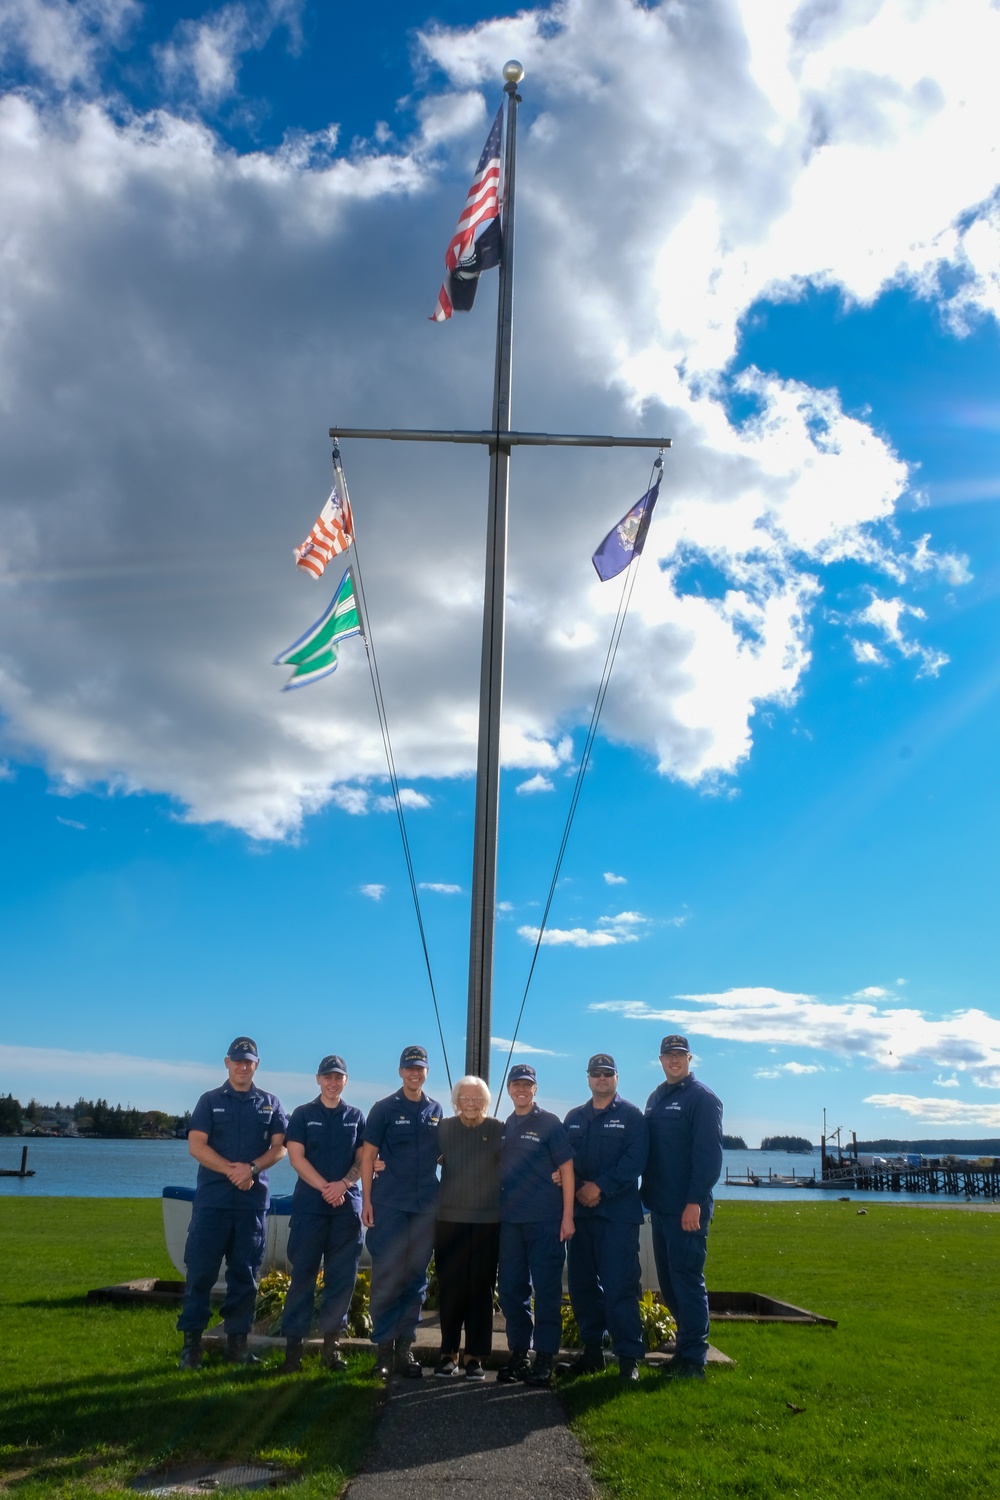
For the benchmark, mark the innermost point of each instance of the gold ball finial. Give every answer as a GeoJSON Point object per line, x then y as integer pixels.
{"type": "Point", "coordinates": [512, 71]}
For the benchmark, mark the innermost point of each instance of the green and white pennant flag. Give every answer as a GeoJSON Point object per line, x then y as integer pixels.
{"type": "Point", "coordinates": [314, 655]}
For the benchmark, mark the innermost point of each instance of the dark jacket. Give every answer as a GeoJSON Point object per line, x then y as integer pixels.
{"type": "Point", "coordinates": [685, 1147]}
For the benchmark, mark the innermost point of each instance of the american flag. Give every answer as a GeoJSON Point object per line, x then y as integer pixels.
{"type": "Point", "coordinates": [333, 533]}
{"type": "Point", "coordinates": [475, 245]}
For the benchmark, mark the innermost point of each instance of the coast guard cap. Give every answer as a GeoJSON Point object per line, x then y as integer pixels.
{"type": "Point", "coordinates": [674, 1044]}
{"type": "Point", "coordinates": [332, 1064]}
{"type": "Point", "coordinates": [243, 1047]}
{"type": "Point", "coordinates": [522, 1073]}
{"type": "Point", "coordinates": [602, 1062]}
{"type": "Point", "coordinates": [413, 1057]}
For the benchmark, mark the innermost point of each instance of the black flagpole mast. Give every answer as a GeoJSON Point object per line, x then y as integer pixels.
{"type": "Point", "coordinates": [499, 439]}
{"type": "Point", "coordinates": [484, 857]}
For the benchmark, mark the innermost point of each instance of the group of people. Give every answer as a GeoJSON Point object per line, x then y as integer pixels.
{"type": "Point", "coordinates": [502, 1205]}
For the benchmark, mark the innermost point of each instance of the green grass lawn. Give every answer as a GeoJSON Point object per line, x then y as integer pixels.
{"type": "Point", "coordinates": [899, 1401]}
{"type": "Point", "coordinates": [90, 1393]}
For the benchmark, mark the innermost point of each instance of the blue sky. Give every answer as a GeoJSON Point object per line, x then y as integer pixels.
{"type": "Point", "coordinates": [771, 232]}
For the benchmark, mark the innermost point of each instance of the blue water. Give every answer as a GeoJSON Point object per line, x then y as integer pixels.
{"type": "Point", "coordinates": [142, 1169]}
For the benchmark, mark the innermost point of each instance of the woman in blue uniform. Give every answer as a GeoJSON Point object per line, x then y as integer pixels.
{"type": "Point", "coordinates": [536, 1220]}
{"type": "Point", "coordinates": [324, 1147]}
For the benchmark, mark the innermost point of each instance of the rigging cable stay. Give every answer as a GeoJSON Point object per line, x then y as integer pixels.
{"type": "Point", "coordinates": [595, 718]}
{"type": "Point", "coordinates": [390, 760]}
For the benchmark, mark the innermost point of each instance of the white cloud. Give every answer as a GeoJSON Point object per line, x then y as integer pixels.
{"type": "Point", "coordinates": [850, 148]}
{"type": "Point", "coordinates": [575, 937]}
{"type": "Point", "coordinates": [503, 1044]}
{"type": "Point", "coordinates": [611, 879]}
{"type": "Point", "coordinates": [71, 823]}
{"type": "Point", "coordinates": [7, 772]}
{"type": "Point", "coordinates": [505, 906]}
{"type": "Point", "coordinates": [939, 1111]}
{"type": "Point", "coordinates": [440, 887]}
{"type": "Point", "coordinates": [893, 1039]}
{"type": "Point", "coordinates": [871, 992]}
{"type": "Point", "coordinates": [408, 797]}
{"type": "Point", "coordinates": [373, 890]}
{"type": "Point", "coordinates": [536, 783]}
{"type": "Point", "coordinates": [947, 1083]}
{"type": "Point", "coordinates": [797, 1069]}
{"type": "Point", "coordinates": [48, 1073]}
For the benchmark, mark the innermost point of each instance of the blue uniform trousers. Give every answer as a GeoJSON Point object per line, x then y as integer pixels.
{"type": "Point", "coordinates": [604, 1283]}
{"type": "Point", "coordinates": [400, 1245]}
{"type": "Point", "coordinates": [680, 1267]}
{"type": "Point", "coordinates": [214, 1234]}
{"type": "Point", "coordinates": [336, 1240]}
{"type": "Point", "coordinates": [531, 1261]}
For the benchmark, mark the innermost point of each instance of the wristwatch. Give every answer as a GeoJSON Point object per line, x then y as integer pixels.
{"type": "Point", "coordinates": [254, 1171]}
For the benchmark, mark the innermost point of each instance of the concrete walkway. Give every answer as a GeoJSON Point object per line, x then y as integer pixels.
{"type": "Point", "coordinates": [447, 1439]}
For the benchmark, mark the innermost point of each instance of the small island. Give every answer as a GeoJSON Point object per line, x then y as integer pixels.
{"type": "Point", "coordinates": [733, 1143]}
{"type": "Point", "coordinates": [786, 1143]}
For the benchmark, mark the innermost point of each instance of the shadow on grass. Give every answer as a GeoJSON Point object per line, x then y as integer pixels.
{"type": "Point", "coordinates": [148, 1419]}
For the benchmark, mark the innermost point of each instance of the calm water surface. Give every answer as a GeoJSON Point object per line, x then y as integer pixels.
{"type": "Point", "coordinates": [142, 1169]}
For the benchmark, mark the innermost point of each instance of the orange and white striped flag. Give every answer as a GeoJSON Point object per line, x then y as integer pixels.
{"type": "Point", "coordinates": [333, 533]}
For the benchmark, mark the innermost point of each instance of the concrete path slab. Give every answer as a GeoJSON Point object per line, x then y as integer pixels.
{"type": "Point", "coordinates": [445, 1440]}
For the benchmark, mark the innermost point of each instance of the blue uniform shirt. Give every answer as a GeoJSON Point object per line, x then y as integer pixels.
{"type": "Point", "coordinates": [533, 1146]}
{"type": "Point", "coordinates": [240, 1127]}
{"type": "Point", "coordinates": [609, 1149]}
{"type": "Point", "coordinates": [685, 1147]}
{"type": "Point", "coordinates": [331, 1138]}
{"type": "Point", "coordinates": [405, 1132]}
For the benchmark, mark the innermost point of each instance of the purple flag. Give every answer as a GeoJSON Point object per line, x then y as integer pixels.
{"type": "Point", "coordinates": [626, 540]}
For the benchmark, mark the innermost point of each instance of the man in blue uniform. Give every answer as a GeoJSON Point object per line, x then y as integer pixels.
{"type": "Point", "coordinates": [236, 1133]}
{"type": "Point", "coordinates": [324, 1147]}
{"type": "Point", "coordinates": [609, 1141]}
{"type": "Point", "coordinates": [536, 1220]}
{"type": "Point", "coordinates": [399, 1211]}
{"type": "Point", "coordinates": [685, 1158]}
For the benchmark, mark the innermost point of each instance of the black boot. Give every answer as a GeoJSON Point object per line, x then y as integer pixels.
{"type": "Point", "coordinates": [331, 1357]}
{"type": "Point", "coordinates": [237, 1352]}
{"type": "Point", "coordinates": [541, 1372]}
{"type": "Point", "coordinates": [293, 1357]}
{"type": "Point", "coordinates": [191, 1353]}
{"type": "Point", "coordinates": [406, 1362]}
{"type": "Point", "coordinates": [590, 1362]}
{"type": "Point", "coordinates": [628, 1370]}
{"type": "Point", "coordinates": [382, 1368]}
{"type": "Point", "coordinates": [515, 1369]}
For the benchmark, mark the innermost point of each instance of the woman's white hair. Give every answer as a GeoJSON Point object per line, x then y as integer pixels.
{"type": "Point", "coordinates": [471, 1081]}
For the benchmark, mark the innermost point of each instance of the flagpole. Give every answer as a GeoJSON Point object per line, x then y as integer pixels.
{"type": "Point", "coordinates": [484, 857]}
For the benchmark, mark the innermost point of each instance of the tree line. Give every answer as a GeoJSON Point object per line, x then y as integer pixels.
{"type": "Point", "coordinates": [90, 1117]}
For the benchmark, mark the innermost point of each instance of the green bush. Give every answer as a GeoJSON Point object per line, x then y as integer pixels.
{"type": "Point", "coordinates": [273, 1289]}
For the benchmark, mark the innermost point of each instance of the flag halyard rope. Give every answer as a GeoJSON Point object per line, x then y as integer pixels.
{"type": "Point", "coordinates": [391, 763]}
{"type": "Point", "coordinates": [595, 719]}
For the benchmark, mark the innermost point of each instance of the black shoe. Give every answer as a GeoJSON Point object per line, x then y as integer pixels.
{"type": "Point", "coordinates": [628, 1370]}
{"type": "Point", "coordinates": [446, 1367]}
{"type": "Point", "coordinates": [191, 1353]}
{"type": "Point", "coordinates": [293, 1357]}
{"type": "Point", "coordinates": [237, 1352]}
{"type": "Point", "coordinates": [474, 1370]}
{"type": "Point", "coordinates": [541, 1372]}
{"type": "Point", "coordinates": [382, 1368]}
{"type": "Point", "coordinates": [331, 1357]}
{"type": "Point", "coordinates": [686, 1369]}
{"type": "Point", "coordinates": [590, 1362]}
{"type": "Point", "coordinates": [515, 1369]}
{"type": "Point", "coordinates": [405, 1361]}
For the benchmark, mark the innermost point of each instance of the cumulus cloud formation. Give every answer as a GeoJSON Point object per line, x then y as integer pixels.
{"type": "Point", "coordinates": [145, 560]}
{"type": "Point", "coordinates": [409, 797]}
{"type": "Point", "coordinates": [440, 887]}
{"type": "Point", "coordinates": [536, 783]}
{"type": "Point", "coordinates": [939, 1111]}
{"type": "Point", "coordinates": [504, 1044]}
{"type": "Point", "coordinates": [609, 932]}
{"type": "Point", "coordinates": [795, 1068]}
{"type": "Point", "coordinates": [894, 1039]}
{"type": "Point", "coordinates": [612, 879]}
{"type": "Point", "coordinates": [374, 891]}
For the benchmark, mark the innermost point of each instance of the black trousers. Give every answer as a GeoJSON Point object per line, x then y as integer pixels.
{"type": "Point", "coordinates": [465, 1256]}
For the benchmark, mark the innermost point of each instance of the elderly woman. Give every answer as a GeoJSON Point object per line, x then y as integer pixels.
{"type": "Point", "coordinates": [467, 1234]}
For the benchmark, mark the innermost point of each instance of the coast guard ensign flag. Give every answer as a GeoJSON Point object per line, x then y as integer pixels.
{"type": "Point", "coordinates": [475, 245]}
{"type": "Point", "coordinates": [626, 540]}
